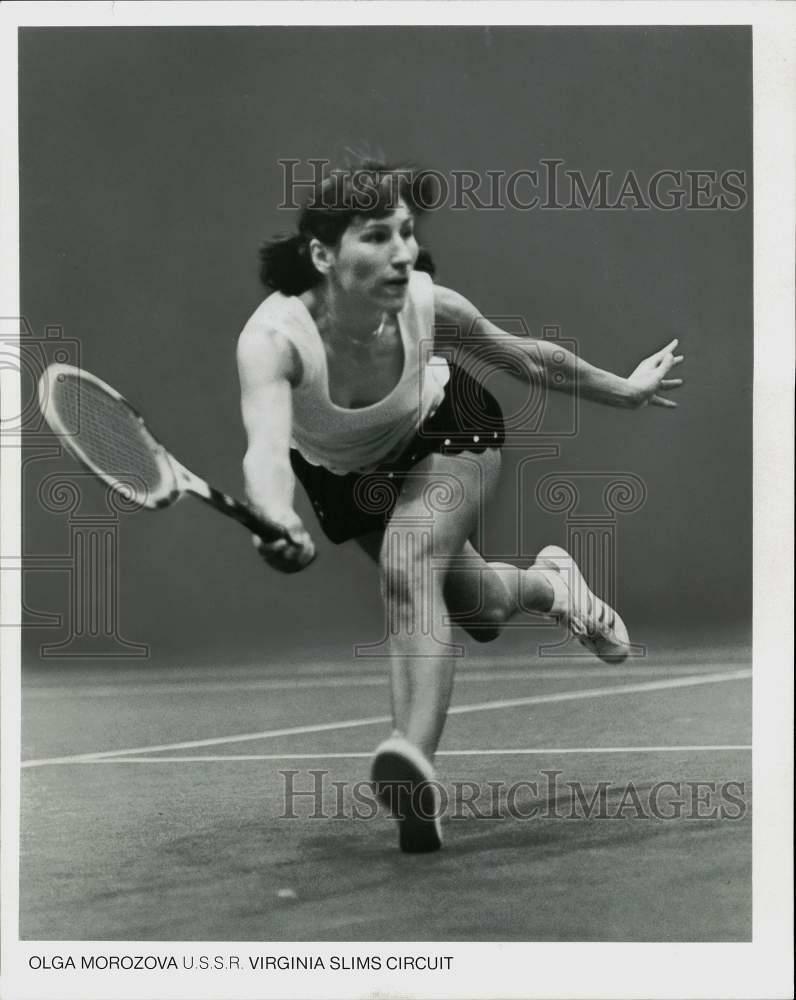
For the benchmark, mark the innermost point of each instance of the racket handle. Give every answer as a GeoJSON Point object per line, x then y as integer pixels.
{"type": "Point", "coordinates": [269, 531]}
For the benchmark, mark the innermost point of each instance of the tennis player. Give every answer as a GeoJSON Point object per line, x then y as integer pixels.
{"type": "Point", "coordinates": [344, 390]}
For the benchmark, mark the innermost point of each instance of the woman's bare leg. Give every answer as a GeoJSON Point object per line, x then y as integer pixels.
{"type": "Point", "coordinates": [416, 553]}
{"type": "Point", "coordinates": [482, 596]}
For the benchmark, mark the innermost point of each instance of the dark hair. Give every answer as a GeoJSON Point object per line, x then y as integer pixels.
{"type": "Point", "coordinates": [372, 190]}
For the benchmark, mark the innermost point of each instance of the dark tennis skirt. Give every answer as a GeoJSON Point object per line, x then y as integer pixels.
{"type": "Point", "coordinates": [469, 418]}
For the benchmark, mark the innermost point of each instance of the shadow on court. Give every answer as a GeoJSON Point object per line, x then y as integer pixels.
{"type": "Point", "coordinates": [167, 841]}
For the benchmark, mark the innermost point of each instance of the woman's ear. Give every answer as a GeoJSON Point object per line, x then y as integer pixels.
{"type": "Point", "coordinates": [322, 257]}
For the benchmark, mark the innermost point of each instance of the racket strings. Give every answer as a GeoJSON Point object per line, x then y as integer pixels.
{"type": "Point", "coordinates": [107, 432]}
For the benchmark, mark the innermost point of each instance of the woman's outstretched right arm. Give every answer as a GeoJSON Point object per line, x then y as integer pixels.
{"type": "Point", "coordinates": [268, 368]}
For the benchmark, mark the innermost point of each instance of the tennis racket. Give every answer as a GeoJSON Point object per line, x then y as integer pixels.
{"type": "Point", "coordinates": [99, 428]}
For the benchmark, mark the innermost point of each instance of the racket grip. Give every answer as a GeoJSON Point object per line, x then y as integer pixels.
{"type": "Point", "coordinates": [269, 531]}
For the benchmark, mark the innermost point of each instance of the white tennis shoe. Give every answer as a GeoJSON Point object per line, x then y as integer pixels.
{"type": "Point", "coordinates": [594, 623]}
{"type": "Point", "coordinates": [404, 781]}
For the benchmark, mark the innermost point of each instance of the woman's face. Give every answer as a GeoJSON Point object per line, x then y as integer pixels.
{"type": "Point", "coordinates": [375, 258]}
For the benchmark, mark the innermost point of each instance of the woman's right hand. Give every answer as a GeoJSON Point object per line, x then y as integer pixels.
{"type": "Point", "coordinates": [288, 556]}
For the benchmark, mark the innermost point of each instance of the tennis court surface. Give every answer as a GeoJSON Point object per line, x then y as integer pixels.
{"type": "Point", "coordinates": [584, 802]}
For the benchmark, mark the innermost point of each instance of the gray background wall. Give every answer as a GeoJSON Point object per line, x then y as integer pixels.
{"type": "Point", "coordinates": [149, 176]}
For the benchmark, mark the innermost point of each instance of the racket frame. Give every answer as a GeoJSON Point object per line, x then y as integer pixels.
{"type": "Point", "coordinates": [70, 439]}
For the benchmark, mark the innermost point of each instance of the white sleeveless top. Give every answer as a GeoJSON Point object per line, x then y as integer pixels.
{"type": "Point", "coordinates": [357, 440]}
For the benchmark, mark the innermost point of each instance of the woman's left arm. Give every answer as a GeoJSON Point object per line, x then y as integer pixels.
{"type": "Point", "coordinates": [548, 362]}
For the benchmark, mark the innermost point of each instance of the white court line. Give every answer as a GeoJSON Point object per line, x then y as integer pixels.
{"type": "Point", "coordinates": [485, 706]}
{"type": "Point", "coordinates": [200, 687]}
{"type": "Point", "coordinates": [512, 752]}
